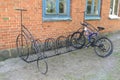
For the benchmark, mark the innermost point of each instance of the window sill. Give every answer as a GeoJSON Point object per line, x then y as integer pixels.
{"type": "Point", "coordinates": [92, 18]}
{"type": "Point", "coordinates": [113, 17]}
{"type": "Point", "coordinates": [57, 19]}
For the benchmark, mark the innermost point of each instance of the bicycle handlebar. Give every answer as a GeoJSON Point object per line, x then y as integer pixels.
{"type": "Point", "coordinates": [88, 25]}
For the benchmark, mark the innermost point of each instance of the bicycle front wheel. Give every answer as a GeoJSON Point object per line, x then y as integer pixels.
{"type": "Point", "coordinates": [103, 47]}
{"type": "Point", "coordinates": [78, 40]}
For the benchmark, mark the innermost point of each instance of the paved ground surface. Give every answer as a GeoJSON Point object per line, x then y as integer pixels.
{"type": "Point", "coordinates": [82, 64]}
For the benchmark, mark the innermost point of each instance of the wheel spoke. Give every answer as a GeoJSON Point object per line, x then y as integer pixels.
{"type": "Point", "coordinates": [77, 40]}
{"type": "Point", "coordinates": [103, 47]}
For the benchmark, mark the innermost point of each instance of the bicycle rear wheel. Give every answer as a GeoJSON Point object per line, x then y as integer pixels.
{"type": "Point", "coordinates": [103, 47]}
{"type": "Point", "coordinates": [22, 47]}
{"type": "Point", "coordinates": [78, 40]}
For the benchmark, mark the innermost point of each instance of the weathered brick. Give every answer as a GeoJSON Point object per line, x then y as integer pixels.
{"type": "Point", "coordinates": [10, 25]}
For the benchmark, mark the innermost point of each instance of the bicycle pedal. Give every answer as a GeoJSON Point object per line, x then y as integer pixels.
{"type": "Point", "coordinates": [45, 56]}
{"type": "Point", "coordinates": [86, 47]}
{"type": "Point", "coordinates": [58, 53]}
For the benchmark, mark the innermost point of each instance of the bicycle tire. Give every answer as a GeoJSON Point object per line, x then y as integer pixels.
{"type": "Point", "coordinates": [42, 66]}
{"type": "Point", "coordinates": [22, 47]}
{"type": "Point", "coordinates": [79, 40]}
{"type": "Point", "coordinates": [100, 46]}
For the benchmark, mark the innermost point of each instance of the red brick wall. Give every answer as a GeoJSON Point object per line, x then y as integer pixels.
{"type": "Point", "coordinates": [10, 25]}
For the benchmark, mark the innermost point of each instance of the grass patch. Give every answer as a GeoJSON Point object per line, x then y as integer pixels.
{"type": "Point", "coordinates": [3, 59]}
{"type": "Point", "coordinates": [70, 77]}
{"type": "Point", "coordinates": [3, 77]}
{"type": "Point", "coordinates": [117, 54]}
{"type": "Point", "coordinates": [90, 77]}
{"type": "Point", "coordinates": [109, 77]}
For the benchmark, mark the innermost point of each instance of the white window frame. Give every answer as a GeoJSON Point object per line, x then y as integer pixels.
{"type": "Point", "coordinates": [114, 16]}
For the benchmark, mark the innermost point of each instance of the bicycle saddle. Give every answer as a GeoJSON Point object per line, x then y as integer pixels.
{"type": "Point", "coordinates": [84, 23]}
{"type": "Point", "coordinates": [100, 28]}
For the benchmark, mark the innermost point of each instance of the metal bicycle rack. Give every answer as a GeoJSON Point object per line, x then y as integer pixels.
{"type": "Point", "coordinates": [49, 48]}
{"type": "Point", "coordinates": [31, 49]}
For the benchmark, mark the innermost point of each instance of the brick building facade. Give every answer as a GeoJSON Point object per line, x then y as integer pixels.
{"type": "Point", "coordinates": [42, 28]}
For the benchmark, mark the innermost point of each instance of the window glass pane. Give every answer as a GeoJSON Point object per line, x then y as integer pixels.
{"type": "Point", "coordinates": [51, 6]}
{"type": "Point", "coordinates": [119, 9]}
{"type": "Point", "coordinates": [95, 7]}
{"type": "Point", "coordinates": [116, 7]}
{"type": "Point", "coordinates": [62, 6]}
{"type": "Point", "coordinates": [89, 6]}
{"type": "Point", "coordinates": [111, 7]}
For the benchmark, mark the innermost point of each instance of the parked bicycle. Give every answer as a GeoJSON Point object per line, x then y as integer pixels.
{"type": "Point", "coordinates": [89, 36]}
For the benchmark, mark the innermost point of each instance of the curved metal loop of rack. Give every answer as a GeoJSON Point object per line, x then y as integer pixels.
{"type": "Point", "coordinates": [31, 49]}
